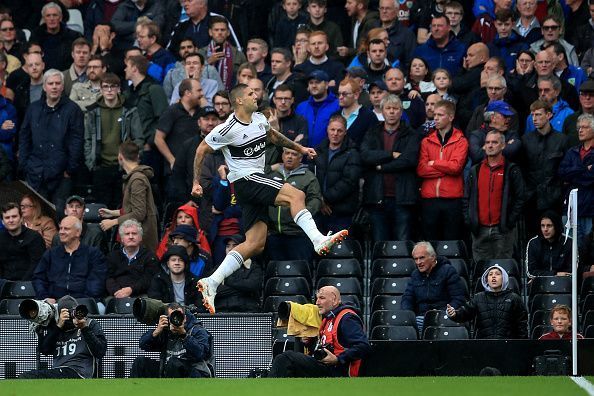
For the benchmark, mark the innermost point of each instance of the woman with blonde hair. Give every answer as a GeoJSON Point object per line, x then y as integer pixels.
{"type": "Point", "coordinates": [35, 220]}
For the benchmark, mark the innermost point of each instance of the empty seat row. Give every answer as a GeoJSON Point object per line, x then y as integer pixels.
{"type": "Point", "coordinates": [409, 333]}
{"type": "Point", "coordinates": [383, 249]}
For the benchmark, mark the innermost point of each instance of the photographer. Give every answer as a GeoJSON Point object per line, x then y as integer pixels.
{"type": "Point", "coordinates": [185, 346]}
{"type": "Point", "coordinates": [342, 338]}
{"type": "Point", "coordinates": [76, 343]}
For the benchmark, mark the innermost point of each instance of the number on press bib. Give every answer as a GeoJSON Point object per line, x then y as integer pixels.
{"type": "Point", "coordinates": [67, 349]}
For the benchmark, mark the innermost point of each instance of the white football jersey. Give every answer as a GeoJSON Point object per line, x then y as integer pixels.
{"type": "Point", "coordinates": [243, 145]}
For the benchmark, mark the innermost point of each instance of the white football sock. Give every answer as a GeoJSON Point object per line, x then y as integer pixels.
{"type": "Point", "coordinates": [230, 264]}
{"type": "Point", "coordinates": [308, 225]}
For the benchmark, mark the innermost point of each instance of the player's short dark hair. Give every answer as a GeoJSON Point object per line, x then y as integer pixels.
{"type": "Point", "coordinates": [10, 206]}
{"type": "Point", "coordinates": [236, 92]}
{"type": "Point", "coordinates": [130, 151]}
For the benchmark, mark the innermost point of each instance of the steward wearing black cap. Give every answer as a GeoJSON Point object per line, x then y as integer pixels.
{"type": "Point", "coordinates": [75, 345]}
{"type": "Point", "coordinates": [175, 283]}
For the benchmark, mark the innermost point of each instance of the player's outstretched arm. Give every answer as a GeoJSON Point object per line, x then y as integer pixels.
{"type": "Point", "coordinates": [278, 139]}
{"type": "Point", "coordinates": [201, 151]}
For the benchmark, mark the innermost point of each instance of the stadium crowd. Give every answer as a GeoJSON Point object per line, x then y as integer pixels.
{"type": "Point", "coordinates": [432, 120]}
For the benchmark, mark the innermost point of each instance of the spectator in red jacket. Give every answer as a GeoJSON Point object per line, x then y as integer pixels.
{"type": "Point", "coordinates": [441, 163]}
{"type": "Point", "coordinates": [561, 322]}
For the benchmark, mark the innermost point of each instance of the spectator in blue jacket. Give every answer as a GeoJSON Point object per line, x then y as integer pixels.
{"type": "Point", "coordinates": [549, 90]}
{"type": "Point", "coordinates": [8, 129]}
{"type": "Point", "coordinates": [71, 268]}
{"type": "Point", "coordinates": [576, 170]}
{"type": "Point", "coordinates": [51, 141]}
{"type": "Point", "coordinates": [507, 44]}
{"type": "Point", "coordinates": [442, 50]}
{"type": "Point", "coordinates": [433, 285]}
{"type": "Point", "coordinates": [318, 108]}
{"type": "Point", "coordinates": [148, 36]}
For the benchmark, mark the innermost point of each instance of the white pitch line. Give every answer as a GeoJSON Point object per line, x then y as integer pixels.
{"type": "Point", "coordinates": [584, 384]}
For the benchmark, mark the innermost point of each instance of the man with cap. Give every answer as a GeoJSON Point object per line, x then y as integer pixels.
{"type": "Point", "coordinates": [241, 290]}
{"type": "Point", "coordinates": [91, 234]}
{"type": "Point", "coordinates": [318, 108]}
{"type": "Point", "coordinates": [360, 76]}
{"type": "Point", "coordinates": [131, 268]}
{"type": "Point", "coordinates": [499, 184]}
{"type": "Point", "coordinates": [586, 107]}
{"type": "Point", "coordinates": [183, 167]}
{"type": "Point", "coordinates": [175, 283]}
{"type": "Point", "coordinates": [74, 343]}
{"type": "Point", "coordinates": [199, 262]}
{"type": "Point", "coordinates": [498, 115]}
{"type": "Point", "coordinates": [377, 91]}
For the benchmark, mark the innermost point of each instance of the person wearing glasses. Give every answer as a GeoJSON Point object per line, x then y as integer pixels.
{"type": "Point", "coordinates": [86, 93]}
{"type": "Point", "coordinates": [108, 122]}
{"type": "Point", "coordinates": [8, 37]}
{"type": "Point", "coordinates": [552, 28]}
{"type": "Point", "coordinates": [358, 118]}
{"type": "Point", "coordinates": [455, 12]}
{"type": "Point", "coordinates": [586, 107]}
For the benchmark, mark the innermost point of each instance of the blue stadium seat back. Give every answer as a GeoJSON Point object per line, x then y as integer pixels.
{"type": "Point", "coordinates": [455, 249]}
{"type": "Point", "coordinates": [271, 302]}
{"type": "Point", "coordinates": [339, 267]}
{"type": "Point", "coordinates": [10, 306]}
{"type": "Point", "coordinates": [550, 285]}
{"type": "Point", "coordinates": [92, 212]}
{"type": "Point", "coordinates": [547, 301]}
{"type": "Point", "coordinates": [588, 303]}
{"type": "Point", "coordinates": [540, 330]}
{"type": "Point", "coordinates": [392, 249]}
{"type": "Point", "coordinates": [385, 302]}
{"type": "Point", "coordinates": [392, 267]}
{"type": "Point", "coordinates": [587, 319]}
{"type": "Point", "coordinates": [90, 303]}
{"type": "Point", "coordinates": [439, 318]}
{"type": "Point", "coordinates": [346, 248]}
{"type": "Point", "coordinates": [509, 265]}
{"type": "Point", "coordinates": [19, 289]}
{"type": "Point", "coordinates": [445, 333]}
{"type": "Point", "coordinates": [460, 266]}
{"type": "Point", "coordinates": [288, 268]}
{"type": "Point", "coordinates": [394, 333]}
{"type": "Point", "coordinates": [287, 286]}
{"type": "Point", "coordinates": [540, 317]}
{"type": "Point", "coordinates": [513, 285]}
{"type": "Point", "coordinates": [120, 306]}
{"type": "Point", "coordinates": [344, 285]}
{"type": "Point", "coordinates": [587, 287]}
{"type": "Point", "coordinates": [394, 286]}
{"type": "Point", "coordinates": [589, 333]}
{"type": "Point", "coordinates": [400, 317]}
{"type": "Point", "coordinates": [353, 300]}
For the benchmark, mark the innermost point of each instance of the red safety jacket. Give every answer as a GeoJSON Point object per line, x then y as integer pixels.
{"type": "Point", "coordinates": [329, 335]}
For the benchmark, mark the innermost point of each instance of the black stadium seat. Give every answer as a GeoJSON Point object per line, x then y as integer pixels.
{"type": "Point", "coordinates": [121, 306]}
{"type": "Point", "coordinates": [547, 301]}
{"type": "Point", "coordinates": [460, 266]}
{"type": "Point", "coordinates": [288, 268]}
{"type": "Point", "coordinates": [385, 302]}
{"type": "Point", "coordinates": [540, 330]}
{"type": "Point", "coordinates": [344, 285]}
{"type": "Point", "coordinates": [399, 317]}
{"type": "Point", "coordinates": [352, 300]}
{"type": "Point", "coordinates": [346, 248]}
{"type": "Point", "coordinates": [392, 249]}
{"type": "Point", "coordinates": [540, 317]}
{"type": "Point", "coordinates": [18, 289]}
{"type": "Point", "coordinates": [271, 302]}
{"type": "Point", "coordinates": [588, 319]}
{"type": "Point", "coordinates": [445, 333]}
{"type": "Point", "coordinates": [395, 286]}
{"type": "Point", "coordinates": [509, 265]}
{"type": "Point", "coordinates": [438, 318]}
{"type": "Point", "coordinates": [394, 333]}
{"type": "Point", "coordinates": [589, 333]}
{"type": "Point", "coordinates": [587, 287]}
{"type": "Point", "coordinates": [392, 267]}
{"type": "Point", "coordinates": [455, 249]}
{"type": "Point", "coordinates": [90, 303]}
{"type": "Point", "coordinates": [92, 212]}
{"type": "Point", "coordinates": [550, 285]}
{"type": "Point", "coordinates": [10, 306]}
{"type": "Point", "coordinates": [339, 267]}
{"type": "Point", "coordinates": [287, 286]}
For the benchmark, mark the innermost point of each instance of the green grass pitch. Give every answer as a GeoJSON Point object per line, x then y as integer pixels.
{"type": "Point", "coordinates": [413, 386]}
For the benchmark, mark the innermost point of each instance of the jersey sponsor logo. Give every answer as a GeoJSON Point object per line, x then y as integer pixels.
{"type": "Point", "coordinates": [250, 151]}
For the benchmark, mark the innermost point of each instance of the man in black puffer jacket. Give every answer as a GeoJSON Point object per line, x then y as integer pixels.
{"type": "Point", "coordinates": [337, 168]}
{"type": "Point", "coordinates": [549, 253]}
{"type": "Point", "coordinates": [499, 312]}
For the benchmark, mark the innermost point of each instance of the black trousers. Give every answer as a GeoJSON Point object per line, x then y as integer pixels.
{"type": "Point", "coordinates": [107, 186]}
{"type": "Point", "coordinates": [442, 219]}
{"type": "Point", "coordinates": [144, 367]}
{"type": "Point", "coordinates": [291, 364]}
{"type": "Point", "coordinates": [55, 373]}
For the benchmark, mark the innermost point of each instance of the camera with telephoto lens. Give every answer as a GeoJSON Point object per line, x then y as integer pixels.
{"type": "Point", "coordinates": [38, 311]}
{"type": "Point", "coordinates": [79, 312]}
{"type": "Point", "coordinates": [177, 318]}
{"type": "Point", "coordinates": [320, 352]}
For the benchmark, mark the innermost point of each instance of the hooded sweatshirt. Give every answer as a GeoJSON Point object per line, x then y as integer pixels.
{"type": "Point", "coordinates": [193, 212]}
